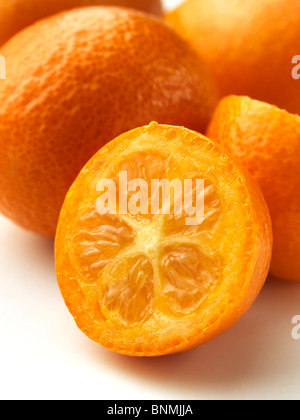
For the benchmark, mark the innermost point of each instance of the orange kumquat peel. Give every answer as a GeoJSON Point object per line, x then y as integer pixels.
{"type": "Point", "coordinates": [266, 140]}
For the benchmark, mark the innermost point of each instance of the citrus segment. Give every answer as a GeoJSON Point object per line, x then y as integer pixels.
{"type": "Point", "coordinates": [99, 239]}
{"type": "Point", "coordinates": [175, 224]}
{"type": "Point", "coordinates": [156, 285]}
{"type": "Point", "coordinates": [187, 277]}
{"type": "Point", "coordinates": [126, 290]}
{"type": "Point", "coordinates": [137, 171]}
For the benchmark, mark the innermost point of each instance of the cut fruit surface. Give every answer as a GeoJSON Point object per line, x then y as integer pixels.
{"type": "Point", "coordinates": [181, 252]}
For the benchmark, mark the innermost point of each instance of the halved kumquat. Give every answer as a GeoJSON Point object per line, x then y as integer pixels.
{"type": "Point", "coordinates": [146, 283]}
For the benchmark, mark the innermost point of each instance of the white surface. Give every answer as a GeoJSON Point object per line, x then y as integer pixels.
{"type": "Point", "coordinates": [44, 356]}
{"type": "Point", "coordinates": [171, 4]}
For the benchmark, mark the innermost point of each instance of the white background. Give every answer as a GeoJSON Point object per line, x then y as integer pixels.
{"type": "Point", "coordinates": [43, 355]}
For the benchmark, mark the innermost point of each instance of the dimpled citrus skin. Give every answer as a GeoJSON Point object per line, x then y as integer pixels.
{"type": "Point", "coordinates": [140, 286]}
{"type": "Point", "coordinates": [248, 44]}
{"type": "Point", "coordinates": [77, 80]}
{"type": "Point", "coordinates": [18, 14]}
{"type": "Point", "coordinates": [266, 140]}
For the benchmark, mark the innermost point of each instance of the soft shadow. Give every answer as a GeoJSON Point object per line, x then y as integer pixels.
{"type": "Point", "coordinates": [23, 248]}
{"type": "Point", "coordinates": [255, 348]}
